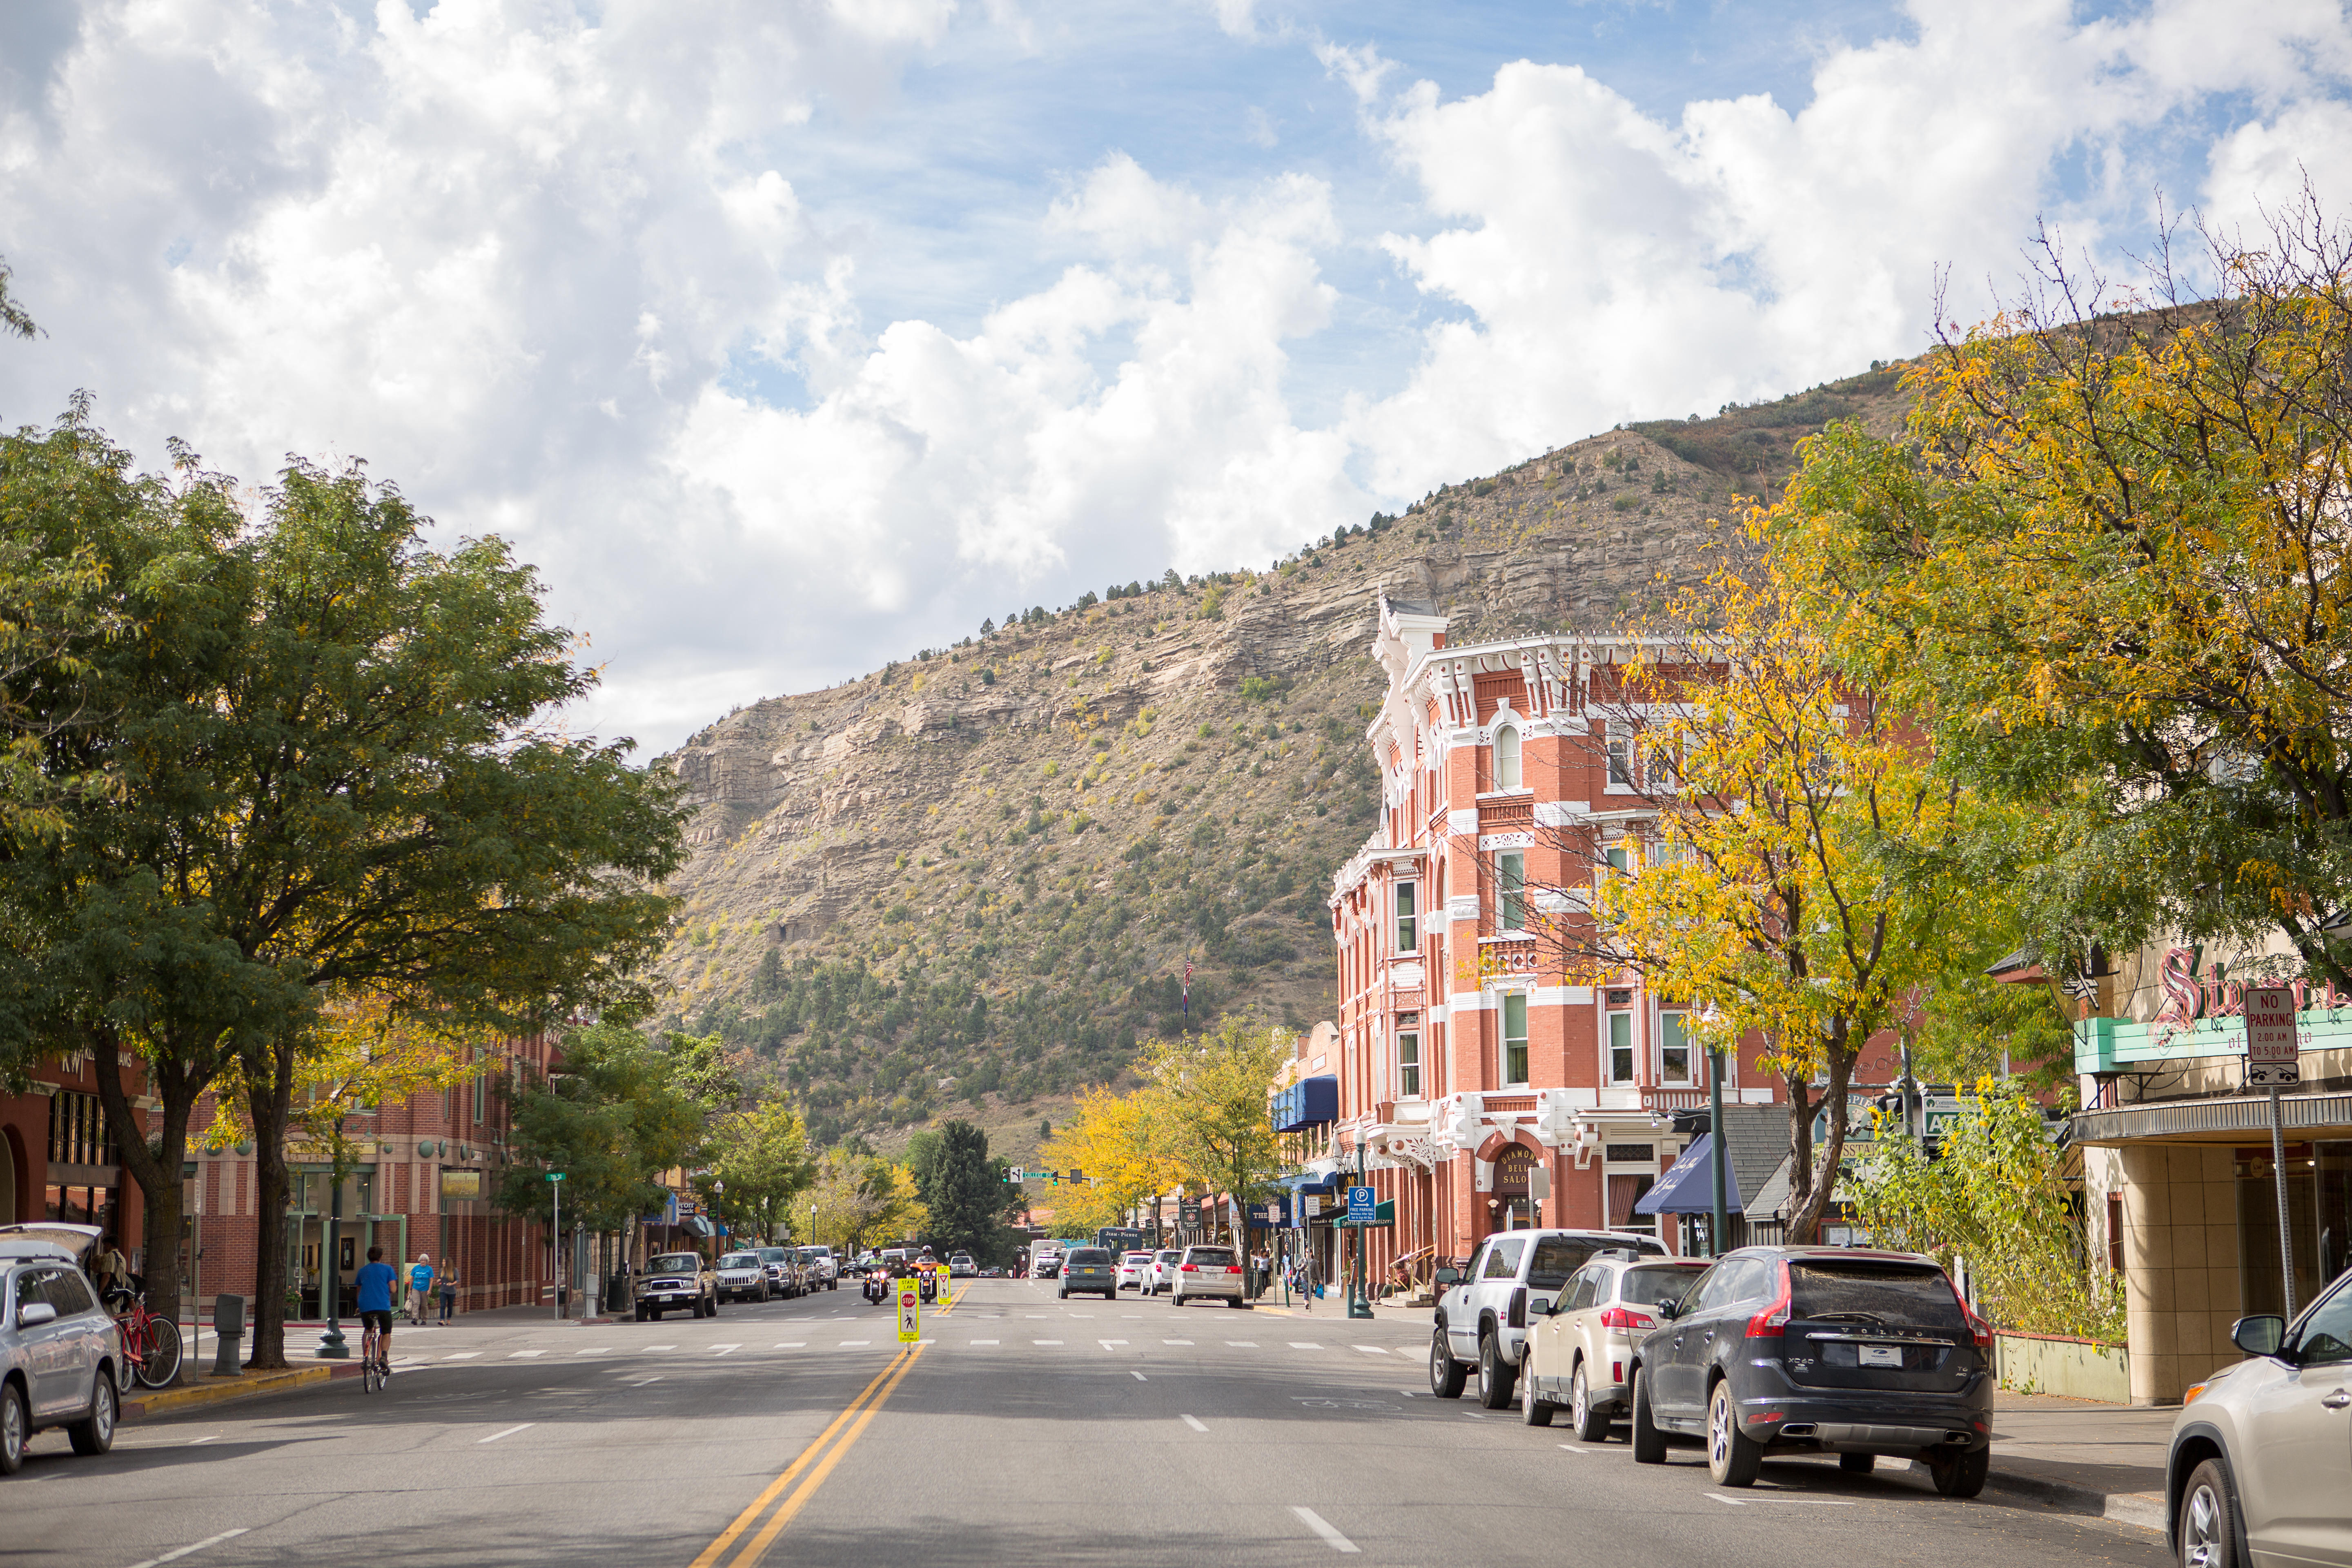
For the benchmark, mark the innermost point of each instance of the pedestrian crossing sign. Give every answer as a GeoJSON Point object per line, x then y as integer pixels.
{"type": "Point", "coordinates": [910, 1314]}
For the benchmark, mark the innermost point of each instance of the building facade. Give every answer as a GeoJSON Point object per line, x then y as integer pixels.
{"type": "Point", "coordinates": [61, 1160]}
{"type": "Point", "coordinates": [1481, 1087]}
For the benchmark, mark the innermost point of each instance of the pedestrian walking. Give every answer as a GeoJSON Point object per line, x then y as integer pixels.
{"type": "Point", "coordinates": [420, 1289]}
{"type": "Point", "coordinates": [449, 1291]}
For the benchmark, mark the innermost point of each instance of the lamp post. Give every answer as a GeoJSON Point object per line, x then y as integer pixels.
{"type": "Point", "coordinates": [1719, 1220]}
{"type": "Point", "coordinates": [1360, 1303]}
{"type": "Point", "coordinates": [555, 1239]}
{"type": "Point", "coordinates": [331, 1345]}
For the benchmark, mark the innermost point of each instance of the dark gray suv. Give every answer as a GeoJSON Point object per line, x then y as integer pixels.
{"type": "Point", "coordinates": [1813, 1350]}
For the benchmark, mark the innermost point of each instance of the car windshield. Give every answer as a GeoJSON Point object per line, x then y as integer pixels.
{"type": "Point", "coordinates": [1210, 1255]}
{"type": "Point", "coordinates": [1873, 1293]}
{"type": "Point", "coordinates": [739, 1260]}
{"type": "Point", "coordinates": [1085, 1254]}
{"type": "Point", "coordinates": [675, 1263]}
{"type": "Point", "coordinates": [1649, 1287]}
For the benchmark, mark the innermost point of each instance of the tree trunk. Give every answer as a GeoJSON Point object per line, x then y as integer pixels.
{"type": "Point", "coordinates": [1805, 1212]}
{"type": "Point", "coordinates": [154, 1166]}
{"type": "Point", "coordinates": [269, 1100]}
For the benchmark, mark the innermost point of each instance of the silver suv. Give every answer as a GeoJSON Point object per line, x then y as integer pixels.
{"type": "Point", "coordinates": [57, 1346]}
{"type": "Point", "coordinates": [1483, 1317]}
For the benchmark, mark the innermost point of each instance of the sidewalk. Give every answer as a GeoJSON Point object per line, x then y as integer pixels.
{"type": "Point", "coordinates": [199, 1391]}
{"type": "Point", "coordinates": [2083, 1457]}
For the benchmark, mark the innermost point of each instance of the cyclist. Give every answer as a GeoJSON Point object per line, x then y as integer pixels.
{"type": "Point", "coordinates": [420, 1289]}
{"type": "Point", "coordinates": [371, 1289]}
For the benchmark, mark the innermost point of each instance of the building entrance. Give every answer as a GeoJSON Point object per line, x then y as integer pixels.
{"type": "Point", "coordinates": [2319, 1221]}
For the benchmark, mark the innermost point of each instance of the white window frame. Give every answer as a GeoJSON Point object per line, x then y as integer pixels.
{"type": "Point", "coordinates": [1618, 760]}
{"type": "Point", "coordinates": [1407, 911]}
{"type": "Point", "coordinates": [1503, 1028]}
{"type": "Point", "coordinates": [1690, 1076]}
{"type": "Point", "coordinates": [1511, 890]}
{"type": "Point", "coordinates": [1408, 1041]}
{"type": "Point", "coordinates": [1516, 753]}
{"type": "Point", "coordinates": [1610, 1047]}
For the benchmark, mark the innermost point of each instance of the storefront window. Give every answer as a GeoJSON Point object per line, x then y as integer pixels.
{"type": "Point", "coordinates": [2319, 1214]}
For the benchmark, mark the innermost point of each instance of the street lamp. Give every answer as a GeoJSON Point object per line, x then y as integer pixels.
{"type": "Point", "coordinates": [555, 1240]}
{"type": "Point", "coordinates": [1360, 1303]}
{"type": "Point", "coordinates": [332, 1345]}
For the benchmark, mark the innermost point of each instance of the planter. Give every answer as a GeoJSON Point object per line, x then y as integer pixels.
{"type": "Point", "coordinates": [2056, 1363]}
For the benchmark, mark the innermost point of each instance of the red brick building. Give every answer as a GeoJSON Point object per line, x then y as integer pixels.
{"type": "Point", "coordinates": [58, 1158]}
{"type": "Point", "coordinates": [1469, 1069]}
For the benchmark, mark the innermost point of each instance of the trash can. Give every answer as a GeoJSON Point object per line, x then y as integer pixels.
{"type": "Point", "coordinates": [229, 1332]}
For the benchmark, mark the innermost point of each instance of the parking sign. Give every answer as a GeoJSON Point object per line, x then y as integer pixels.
{"type": "Point", "coordinates": [1363, 1206]}
{"type": "Point", "coordinates": [2271, 1044]}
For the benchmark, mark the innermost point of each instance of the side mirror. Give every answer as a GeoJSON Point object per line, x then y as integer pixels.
{"type": "Point", "coordinates": [2259, 1336]}
{"type": "Point", "coordinates": [1449, 1276]}
{"type": "Point", "coordinates": [1667, 1310]}
{"type": "Point", "coordinates": [33, 1314]}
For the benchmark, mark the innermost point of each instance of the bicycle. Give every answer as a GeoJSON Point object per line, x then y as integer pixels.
{"type": "Point", "coordinates": [374, 1371]}
{"type": "Point", "coordinates": [151, 1346]}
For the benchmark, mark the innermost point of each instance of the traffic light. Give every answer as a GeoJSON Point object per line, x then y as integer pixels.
{"type": "Point", "coordinates": [1056, 1175]}
{"type": "Point", "coordinates": [1077, 1177]}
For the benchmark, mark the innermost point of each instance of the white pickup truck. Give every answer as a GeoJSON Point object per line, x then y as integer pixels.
{"type": "Point", "coordinates": [1483, 1316]}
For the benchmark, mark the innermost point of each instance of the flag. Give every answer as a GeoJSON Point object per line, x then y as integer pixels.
{"type": "Point", "coordinates": [1188, 996]}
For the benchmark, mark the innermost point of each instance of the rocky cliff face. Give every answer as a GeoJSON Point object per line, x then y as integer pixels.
{"type": "Point", "coordinates": [968, 882]}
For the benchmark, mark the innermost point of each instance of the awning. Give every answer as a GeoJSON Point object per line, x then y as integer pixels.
{"type": "Point", "coordinates": [1688, 1185]}
{"type": "Point", "coordinates": [1308, 1182]}
{"type": "Point", "coordinates": [698, 1225]}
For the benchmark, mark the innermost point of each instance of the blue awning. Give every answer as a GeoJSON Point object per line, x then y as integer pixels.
{"type": "Point", "coordinates": [1308, 1182]}
{"type": "Point", "coordinates": [1688, 1185]}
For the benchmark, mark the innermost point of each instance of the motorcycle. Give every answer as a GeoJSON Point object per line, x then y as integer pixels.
{"type": "Point", "coordinates": [877, 1288]}
{"type": "Point", "coordinates": [930, 1290]}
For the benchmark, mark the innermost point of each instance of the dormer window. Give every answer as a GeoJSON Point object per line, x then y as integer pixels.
{"type": "Point", "coordinates": [1506, 757]}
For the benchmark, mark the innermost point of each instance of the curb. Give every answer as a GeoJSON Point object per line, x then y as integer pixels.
{"type": "Point", "coordinates": [2141, 1511]}
{"type": "Point", "coordinates": [217, 1391]}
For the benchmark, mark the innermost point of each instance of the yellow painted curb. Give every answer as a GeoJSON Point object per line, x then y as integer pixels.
{"type": "Point", "coordinates": [215, 1391]}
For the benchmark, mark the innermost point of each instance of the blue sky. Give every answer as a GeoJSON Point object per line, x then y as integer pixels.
{"type": "Point", "coordinates": [787, 337]}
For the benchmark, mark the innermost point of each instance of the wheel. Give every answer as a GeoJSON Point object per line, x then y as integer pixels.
{"type": "Point", "coordinates": [126, 1376]}
{"type": "Point", "coordinates": [1857, 1464]}
{"type": "Point", "coordinates": [641, 1314]}
{"type": "Point", "coordinates": [16, 1429]}
{"type": "Point", "coordinates": [1533, 1409]}
{"type": "Point", "coordinates": [94, 1433]}
{"type": "Point", "coordinates": [1236, 1301]}
{"type": "Point", "coordinates": [1446, 1375]}
{"type": "Point", "coordinates": [2209, 1519]}
{"type": "Point", "coordinates": [1960, 1475]}
{"type": "Point", "coordinates": [1065, 1293]}
{"type": "Point", "coordinates": [1649, 1443]}
{"type": "Point", "coordinates": [1590, 1425]}
{"type": "Point", "coordinates": [370, 1377]}
{"type": "Point", "coordinates": [1495, 1379]}
{"type": "Point", "coordinates": [163, 1362]}
{"type": "Point", "coordinates": [1733, 1456]}
{"type": "Point", "coordinates": [714, 1306]}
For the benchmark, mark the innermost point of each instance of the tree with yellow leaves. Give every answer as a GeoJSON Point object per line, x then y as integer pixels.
{"type": "Point", "coordinates": [1120, 1142]}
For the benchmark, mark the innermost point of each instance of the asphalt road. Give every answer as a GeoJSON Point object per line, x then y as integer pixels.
{"type": "Point", "coordinates": [1026, 1431]}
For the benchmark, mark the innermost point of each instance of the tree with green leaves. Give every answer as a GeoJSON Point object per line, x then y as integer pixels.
{"type": "Point", "coordinates": [756, 1164]}
{"type": "Point", "coordinates": [1210, 1119]}
{"type": "Point", "coordinates": [612, 1118]}
{"type": "Point", "coordinates": [965, 1195]}
{"type": "Point", "coordinates": [863, 1200]}
{"type": "Point", "coordinates": [333, 778]}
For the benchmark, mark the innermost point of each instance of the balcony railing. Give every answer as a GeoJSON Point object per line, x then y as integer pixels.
{"type": "Point", "coordinates": [1507, 817]}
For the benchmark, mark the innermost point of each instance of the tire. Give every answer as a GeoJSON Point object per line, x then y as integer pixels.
{"type": "Point", "coordinates": [1445, 1373]}
{"type": "Point", "coordinates": [162, 1353]}
{"type": "Point", "coordinates": [641, 1314]}
{"type": "Point", "coordinates": [16, 1429]}
{"type": "Point", "coordinates": [1064, 1295]}
{"type": "Point", "coordinates": [94, 1433]}
{"type": "Point", "coordinates": [1732, 1458]}
{"type": "Point", "coordinates": [1857, 1464]}
{"type": "Point", "coordinates": [1236, 1301]}
{"type": "Point", "coordinates": [2207, 1531]}
{"type": "Point", "coordinates": [126, 1376]}
{"type": "Point", "coordinates": [1649, 1443]}
{"type": "Point", "coordinates": [1534, 1408]}
{"type": "Point", "coordinates": [1496, 1381]}
{"type": "Point", "coordinates": [1960, 1475]}
{"type": "Point", "coordinates": [1589, 1425]}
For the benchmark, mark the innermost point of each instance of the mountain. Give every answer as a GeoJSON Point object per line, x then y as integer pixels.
{"type": "Point", "coordinates": [967, 883]}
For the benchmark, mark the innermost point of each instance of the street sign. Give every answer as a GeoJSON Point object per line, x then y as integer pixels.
{"type": "Point", "coordinates": [911, 1315]}
{"type": "Point", "coordinates": [1361, 1202]}
{"type": "Point", "coordinates": [1314, 1205]}
{"type": "Point", "coordinates": [1188, 1212]}
{"type": "Point", "coordinates": [2271, 1044]}
{"type": "Point", "coordinates": [555, 1175]}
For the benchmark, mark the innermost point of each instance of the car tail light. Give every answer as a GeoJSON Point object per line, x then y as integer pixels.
{"type": "Point", "coordinates": [1775, 1315]}
{"type": "Point", "coordinates": [1980, 1330]}
{"type": "Point", "coordinates": [1189, 1268]}
{"type": "Point", "coordinates": [1233, 1271]}
{"type": "Point", "coordinates": [1624, 1320]}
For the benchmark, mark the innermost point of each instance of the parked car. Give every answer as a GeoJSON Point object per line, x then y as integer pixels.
{"type": "Point", "coordinates": [820, 1270]}
{"type": "Point", "coordinates": [57, 1346]}
{"type": "Point", "coordinates": [962, 1266]}
{"type": "Point", "coordinates": [1483, 1315]}
{"type": "Point", "coordinates": [783, 1271]}
{"type": "Point", "coordinates": [2256, 1470]}
{"type": "Point", "coordinates": [676, 1282]}
{"type": "Point", "coordinates": [1089, 1269]}
{"type": "Point", "coordinates": [742, 1276]}
{"type": "Point", "coordinates": [1811, 1350]}
{"type": "Point", "coordinates": [1132, 1267]}
{"type": "Point", "coordinates": [1161, 1275]}
{"type": "Point", "coordinates": [1212, 1274]}
{"type": "Point", "coordinates": [1579, 1355]}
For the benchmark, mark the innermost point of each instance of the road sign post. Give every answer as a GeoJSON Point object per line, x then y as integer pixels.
{"type": "Point", "coordinates": [2274, 1062]}
{"type": "Point", "coordinates": [554, 1241]}
{"type": "Point", "coordinates": [910, 1314]}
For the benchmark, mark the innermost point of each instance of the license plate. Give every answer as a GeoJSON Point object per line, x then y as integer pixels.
{"type": "Point", "coordinates": [1881, 1355]}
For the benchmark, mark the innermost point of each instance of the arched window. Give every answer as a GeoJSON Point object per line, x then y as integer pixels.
{"type": "Point", "coordinates": [1506, 757]}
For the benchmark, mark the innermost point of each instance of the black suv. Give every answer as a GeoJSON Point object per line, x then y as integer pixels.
{"type": "Point", "coordinates": [1813, 1350]}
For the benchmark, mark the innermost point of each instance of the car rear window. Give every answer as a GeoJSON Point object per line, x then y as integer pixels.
{"type": "Point", "coordinates": [1557, 1257]}
{"type": "Point", "coordinates": [1084, 1255]}
{"type": "Point", "coordinates": [1139, 1257]}
{"type": "Point", "coordinates": [1649, 1287]}
{"type": "Point", "coordinates": [1885, 1292]}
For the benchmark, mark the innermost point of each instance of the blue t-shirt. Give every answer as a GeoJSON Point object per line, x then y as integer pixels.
{"type": "Point", "coordinates": [421, 1276]}
{"type": "Point", "coordinates": [373, 1285]}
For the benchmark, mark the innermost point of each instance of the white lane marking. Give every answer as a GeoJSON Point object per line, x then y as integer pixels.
{"type": "Point", "coordinates": [1373, 1349]}
{"type": "Point", "coordinates": [988, 1341]}
{"type": "Point", "coordinates": [1194, 1423]}
{"type": "Point", "coordinates": [1320, 1526]}
{"type": "Point", "coordinates": [1175, 1342]}
{"type": "Point", "coordinates": [855, 1344]}
{"type": "Point", "coordinates": [595, 1350]}
{"type": "Point", "coordinates": [792, 1344]}
{"type": "Point", "coordinates": [523, 1355]}
{"type": "Point", "coordinates": [1472, 1414]}
{"type": "Point", "coordinates": [199, 1546]}
{"type": "Point", "coordinates": [462, 1355]}
{"type": "Point", "coordinates": [206, 1438]}
{"type": "Point", "coordinates": [661, 1347]}
{"type": "Point", "coordinates": [1044, 1341]}
{"type": "Point", "coordinates": [1107, 1343]}
{"type": "Point", "coordinates": [1140, 1377]}
{"type": "Point", "coordinates": [1305, 1345]}
{"type": "Point", "coordinates": [1407, 1392]}
{"type": "Point", "coordinates": [1735, 1502]}
{"type": "Point", "coordinates": [1243, 1344]}
{"type": "Point", "coordinates": [508, 1433]}
{"type": "Point", "coordinates": [723, 1349]}
{"type": "Point", "coordinates": [640, 1383]}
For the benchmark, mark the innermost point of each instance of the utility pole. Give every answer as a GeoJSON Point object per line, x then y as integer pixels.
{"type": "Point", "coordinates": [555, 1240]}
{"type": "Point", "coordinates": [1720, 1221]}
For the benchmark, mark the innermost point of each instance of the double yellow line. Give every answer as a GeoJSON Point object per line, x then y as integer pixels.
{"type": "Point", "coordinates": [816, 1463]}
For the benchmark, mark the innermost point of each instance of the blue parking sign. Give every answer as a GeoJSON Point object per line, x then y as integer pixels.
{"type": "Point", "coordinates": [1362, 1206]}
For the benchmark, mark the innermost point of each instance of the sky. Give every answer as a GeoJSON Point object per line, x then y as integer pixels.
{"type": "Point", "coordinates": [786, 338]}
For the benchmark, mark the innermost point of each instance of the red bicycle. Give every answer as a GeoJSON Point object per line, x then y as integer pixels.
{"type": "Point", "coordinates": [150, 1347]}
